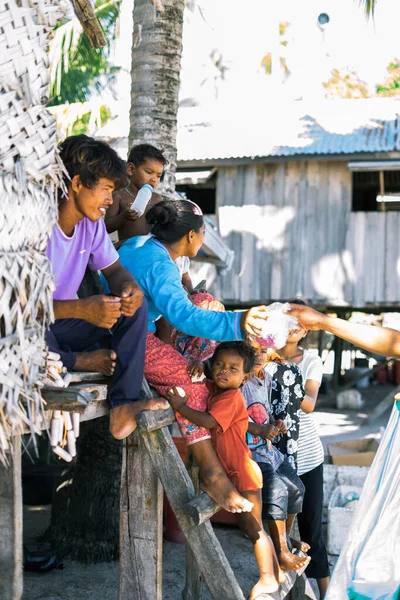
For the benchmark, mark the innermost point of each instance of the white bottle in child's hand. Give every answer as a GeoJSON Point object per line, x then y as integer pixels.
{"type": "Point", "coordinates": [142, 199]}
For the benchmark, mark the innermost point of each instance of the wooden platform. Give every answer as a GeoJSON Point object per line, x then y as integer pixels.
{"type": "Point", "coordinates": [151, 463]}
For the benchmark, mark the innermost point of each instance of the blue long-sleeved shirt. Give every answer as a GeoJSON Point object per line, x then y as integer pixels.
{"type": "Point", "coordinates": [158, 276]}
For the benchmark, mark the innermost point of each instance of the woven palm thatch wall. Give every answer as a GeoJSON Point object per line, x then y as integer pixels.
{"type": "Point", "coordinates": [28, 177]}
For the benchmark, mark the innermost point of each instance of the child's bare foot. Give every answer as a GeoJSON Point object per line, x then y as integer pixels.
{"type": "Point", "coordinates": [266, 585]}
{"type": "Point", "coordinates": [299, 545]}
{"type": "Point", "coordinates": [223, 492]}
{"type": "Point", "coordinates": [123, 418]}
{"type": "Point", "coordinates": [98, 361]}
{"type": "Point", "coordinates": [292, 562]}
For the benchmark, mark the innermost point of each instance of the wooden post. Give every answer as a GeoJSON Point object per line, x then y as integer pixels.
{"type": "Point", "coordinates": [205, 546]}
{"type": "Point", "coordinates": [11, 526]}
{"type": "Point", "coordinates": [194, 578]}
{"type": "Point", "coordinates": [140, 560]}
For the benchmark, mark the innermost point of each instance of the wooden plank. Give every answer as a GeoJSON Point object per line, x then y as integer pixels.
{"type": "Point", "coordinates": [140, 563]}
{"type": "Point", "coordinates": [194, 579]}
{"type": "Point", "coordinates": [11, 526]}
{"type": "Point", "coordinates": [302, 590]}
{"type": "Point", "coordinates": [94, 410]}
{"type": "Point", "coordinates": [74, 398]}
{"type": "Point", "coordinates": [205, 546]}
{"type": "Point", "coordinates": [155, 419]}
{"type": "Point", "coordinates": [69, 399]}
{"type": "Point", "coordinates": [200, 509]}
{"type": "Point", "coordinates": [84, 376]}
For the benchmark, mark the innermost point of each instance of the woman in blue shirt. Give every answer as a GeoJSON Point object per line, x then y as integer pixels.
{"type": "Point", "coordinates": [178, 230]}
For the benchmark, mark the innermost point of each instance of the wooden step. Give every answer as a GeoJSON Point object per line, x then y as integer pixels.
{"type": "Point", "coordinates": [151, 420]}
{"type": "Point", "coordinates": [200, 509]}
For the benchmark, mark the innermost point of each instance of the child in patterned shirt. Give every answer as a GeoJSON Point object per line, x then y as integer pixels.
{"type": "Point", "coordinates": [282, 491]}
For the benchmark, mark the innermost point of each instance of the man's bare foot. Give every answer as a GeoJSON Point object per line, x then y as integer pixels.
{"type": "Point", "coordinates": [226, 495]}
{"type": "Point", "coordinates": [292, 562]}
{"type": "Point", "coordinates": [98, 361]}
{"type": "Point", "coordinates": [123, 418]}
{"type": "Point", "coordinates": [266, 585]}
{"type": "Point", "coordinates": [299, 545]}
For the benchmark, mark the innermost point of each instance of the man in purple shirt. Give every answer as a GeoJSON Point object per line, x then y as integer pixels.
{"type": "Point", "coordinates": [79, 239]}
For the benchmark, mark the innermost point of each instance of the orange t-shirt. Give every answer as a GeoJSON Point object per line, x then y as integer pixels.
{"type": "Point", "coordinates": [229, 438]}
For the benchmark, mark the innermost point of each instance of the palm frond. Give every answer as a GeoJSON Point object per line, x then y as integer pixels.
{"type": "Point", "coordinates": [369, 7]}
{"type": "Point", "coordinates": [76, 69]}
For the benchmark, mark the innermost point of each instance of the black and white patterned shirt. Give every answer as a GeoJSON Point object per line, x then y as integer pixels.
{"type": "Point", "coordinates": [286, 396]}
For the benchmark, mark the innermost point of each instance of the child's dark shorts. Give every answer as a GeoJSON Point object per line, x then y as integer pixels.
{"type": "Point", "coordinates": [282, 492]}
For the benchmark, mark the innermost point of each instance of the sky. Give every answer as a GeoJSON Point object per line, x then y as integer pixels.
{"type": "Point", "coordinates": [241, 33]}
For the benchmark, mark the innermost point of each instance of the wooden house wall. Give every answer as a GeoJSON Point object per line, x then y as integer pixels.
{"type": "Point", "coordinates": [294, 234]}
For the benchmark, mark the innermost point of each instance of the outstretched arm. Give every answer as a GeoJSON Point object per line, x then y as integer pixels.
{"type": "Point", "coordinates": [380, 340]}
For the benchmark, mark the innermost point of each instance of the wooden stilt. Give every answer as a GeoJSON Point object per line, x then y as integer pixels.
{"type": "Point", "coordinates": [205, 546]}
{"type": "Point", "coordinates": [140, 562]}
{"type": "Point", "coordinates": [194, 578]}
{"type": "Point", "coordinates": [11, 584]}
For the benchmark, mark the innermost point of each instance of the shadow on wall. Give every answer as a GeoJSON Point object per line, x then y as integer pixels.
{"type": "Point", "coordinates": [288, 224]}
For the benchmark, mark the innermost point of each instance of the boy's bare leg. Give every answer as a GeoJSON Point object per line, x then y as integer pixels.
{"type": "Point", "coordinates": [287, 560]}
{"type": "Point", "coordinates": [299, 544]}
{"type": "Point", "coordinates": [251, 524]}
{"type": "Point", "coordinates": [214, 481]}
{"type": "Point", "coordinates": [98, 361]}
{"type": "Point", "coordinates": [123, 418]}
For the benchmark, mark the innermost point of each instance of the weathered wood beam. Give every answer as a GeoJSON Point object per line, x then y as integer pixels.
{"type": "Point", "coordinates": [140, 566]}
{"type": "Point", "coordinates": [205, 546]}
{"type": "Point", "coordinates": [140, 563]}
{"type": "Point", "coordinates": [70, 399]}
{"type": "Point", "coordinates": [90, 25]}
{"type": "Point", "coordinates": [11, 526]}
{"type": "Point", "coordinates": [194, 579]}
{"type": "Point", "coordinates": [150, 420]}
{"type": "Point", "coordinates": [200, 509]}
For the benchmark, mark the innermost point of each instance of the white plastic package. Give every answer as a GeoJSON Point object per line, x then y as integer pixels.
{"type": "Point", "coordinates": [275, 329]}
{"type": "Point", "coordinates": [368, 566]}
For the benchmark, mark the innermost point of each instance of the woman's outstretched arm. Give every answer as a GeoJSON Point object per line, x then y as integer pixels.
{"type": "Point", "coordinates": [380, 340]}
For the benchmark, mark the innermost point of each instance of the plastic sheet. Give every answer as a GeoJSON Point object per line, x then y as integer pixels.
{"type": "Point", "coordinates": [275, 329]}
{"type": "Point", "coordinates": [369, 564]}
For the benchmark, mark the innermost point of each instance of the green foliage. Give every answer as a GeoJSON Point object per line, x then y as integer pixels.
{"type": "Point", "coordinates": [345, 84]}
{"type": "Point", "coordinates": [369, 7]}
{"type": "Point", "coordinates": [77, 70]}
{"type": "Point", "coordinates": [391, 85]}
{"type": "Point", "coordinates": [81, 125]}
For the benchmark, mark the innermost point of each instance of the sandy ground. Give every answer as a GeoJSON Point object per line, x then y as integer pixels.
{"type": "Point", "coordinates": [100, 582]}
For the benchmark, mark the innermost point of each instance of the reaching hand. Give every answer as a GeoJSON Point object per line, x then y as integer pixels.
{"type": "Point", "coordinates": [280, 425]}
{"type": "Point", "coordinates": [103, 311]}
{"type": "Point", "coordinates": [175, 399]}
{"type": "Point", "coordinates": [196, 368]}
{"type": "Point", "coordinates": [307, 316]}
{"type": "Point", "coordinates": [131, 215]}
{"type": "Point", "coordinates": [269, 432]}
{"type": "Point", "coordinates": [131, 299]}
{"type": "Point", "coordinates": [251, 320]}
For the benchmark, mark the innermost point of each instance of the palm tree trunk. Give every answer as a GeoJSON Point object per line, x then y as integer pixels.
{"type": "Point", "coordinates": [156, 64]}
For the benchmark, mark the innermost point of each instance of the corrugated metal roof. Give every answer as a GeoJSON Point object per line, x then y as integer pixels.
{"type": "Point", "coordinates": [329, 127]}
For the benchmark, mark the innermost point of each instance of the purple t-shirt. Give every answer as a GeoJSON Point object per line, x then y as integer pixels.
{"type": "Point", "coordinates": [69, 256]}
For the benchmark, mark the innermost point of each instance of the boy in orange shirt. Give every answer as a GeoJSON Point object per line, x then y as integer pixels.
{"type": "Point", "coordinates": [227, 420]}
